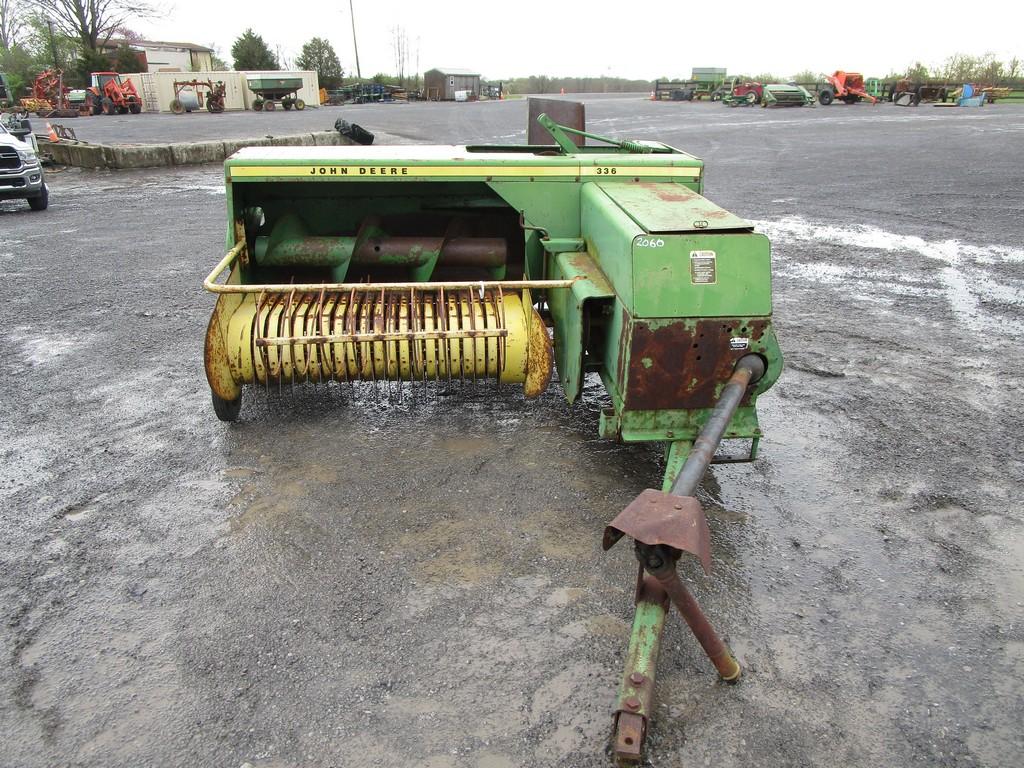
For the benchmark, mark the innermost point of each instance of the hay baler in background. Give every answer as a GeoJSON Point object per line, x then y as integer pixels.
{"type": "Point", "coordinates": [406, 265]}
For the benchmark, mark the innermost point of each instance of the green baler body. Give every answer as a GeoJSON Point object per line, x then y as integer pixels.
{"type": "Point", "coordinates": [671, 291]}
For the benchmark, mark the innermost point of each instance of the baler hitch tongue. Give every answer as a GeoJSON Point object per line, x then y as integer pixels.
{"type": "Point", "coordinates": [663, 526]}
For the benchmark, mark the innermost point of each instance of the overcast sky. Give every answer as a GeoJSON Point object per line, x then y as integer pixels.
{"type": "Point", "coordinates": [637, 39]}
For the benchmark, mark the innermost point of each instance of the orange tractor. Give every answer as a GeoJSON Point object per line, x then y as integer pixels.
{"type": "Point", "coordinates": [109, 94]}
{"type": "Point", "coordinates": [845, 86]}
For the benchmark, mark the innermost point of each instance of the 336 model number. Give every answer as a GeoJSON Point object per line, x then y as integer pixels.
{"type": "Point", "coordinates": [603, 171]}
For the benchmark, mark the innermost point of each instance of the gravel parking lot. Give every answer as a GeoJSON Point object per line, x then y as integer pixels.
{"type": "Point", "coordinates": [342, 581]}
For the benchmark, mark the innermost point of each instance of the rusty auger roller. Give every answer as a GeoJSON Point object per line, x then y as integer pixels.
{"type": "Point", "coordinates": [411, 265]}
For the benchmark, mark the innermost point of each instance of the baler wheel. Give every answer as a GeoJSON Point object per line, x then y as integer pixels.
{"type": "Point", "coordinates": [825, 97]}
{"type": "Point", "coordinates": [226, 410]}
{"type": "Point", "coordinates": [177, 107]}
{"type": "Point", "coordinates": [300, 104]}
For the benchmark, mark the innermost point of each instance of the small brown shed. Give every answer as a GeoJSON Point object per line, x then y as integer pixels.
{"type": "Point", "coordinates": [441, 84]}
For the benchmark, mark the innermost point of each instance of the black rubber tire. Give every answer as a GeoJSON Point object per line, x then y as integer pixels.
{"type": "Point", "coordinates": [226, 410]}
{"type": "Point", "coordinates": [268, 106]}
{"type": "Point", "coordinates": [42, 202]}
{"type": "Point", "coordinates": [108, 106]}
{"type": "Point", "coordinates": [287, 105]}
{"type": "Point", "coordinates": [825, 97]}
{"type": "Point", "coordinates": [257, 106]}
{"type": "Point", "coordinates": [214, 107]}
{"type": "Point", "coordinates": [751, 97]}
{"type": "Point", "coordinates": [134, 107]}
{"type": "Point", "coordinates": [300, 104]}
{"type": "Point", "coordinates": [177, 107]}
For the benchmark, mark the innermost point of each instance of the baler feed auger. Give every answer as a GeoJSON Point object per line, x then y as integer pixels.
{"type": "Point", "coordinates": [404, 265]}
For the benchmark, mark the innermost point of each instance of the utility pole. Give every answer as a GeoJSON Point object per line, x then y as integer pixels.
{"type": "Point", "coordinates": [355, 45]}
{"type": "Point", "coordinates": [53, 45]}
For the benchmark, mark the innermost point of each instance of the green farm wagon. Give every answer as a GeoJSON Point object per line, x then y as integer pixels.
{"type": "Point", "coordinates": [269, 90]}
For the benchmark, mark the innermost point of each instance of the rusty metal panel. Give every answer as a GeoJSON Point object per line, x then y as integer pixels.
{"type": "Point", "coordinates": [683, 363]}
{"type": "Point", "coordinates": [655, 518]}
{"type": "Point", "coordinates": [571, 114]}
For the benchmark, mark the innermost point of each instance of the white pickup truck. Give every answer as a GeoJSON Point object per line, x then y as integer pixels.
{"type": "Point", "coordinates": [21, 174]}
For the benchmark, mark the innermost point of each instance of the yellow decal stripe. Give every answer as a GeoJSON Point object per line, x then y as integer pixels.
{"type": "Point", "coordinates": [340, 172]}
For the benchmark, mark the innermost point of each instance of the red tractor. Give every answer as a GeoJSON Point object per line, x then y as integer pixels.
{"type": "Point", "coordinates": [110, 95]}
{"type": "Point", "coordinates": [748, 91]}
{"type": "Point", "coordinates": [846, 86]}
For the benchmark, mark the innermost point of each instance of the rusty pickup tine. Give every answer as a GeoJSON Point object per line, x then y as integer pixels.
{"type": "Point", "coordinates": [500, 312]}
{"type": "Point", "coordinates": [421, 320]}
{"type": "Point", "coordinates": [320, 330]}
{"type": "Point", "coordinates": [472, 326]}
{"type": "Point", "coordinates": [278, 303]}
{"type": "Point", "coordinates": [281, 320]}
{"type": "Point", "coordinates": [350, 327]}
{"type": "Point", "coordinates": [257, 335]}
{"type": "Point", "coordinates": [440, 312]}
{"type": "Point", "coordinates": [370, 325]}
{"type": "Point", "coordinates": [462, 342]}
{"type": "Point", "coordinates": [350, 322]}
{"type": "Point", "coordinates": [298, 315]}
{"type": "Point", "coordinates": [446, 343]}
{"type": "Point", "coordinates": [385, 318]}
{"type": "Point", "coordinates": [332, 353]}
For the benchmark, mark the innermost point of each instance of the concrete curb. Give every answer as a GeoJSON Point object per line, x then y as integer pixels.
{"type": "Point", "coordinates": [123, 157]}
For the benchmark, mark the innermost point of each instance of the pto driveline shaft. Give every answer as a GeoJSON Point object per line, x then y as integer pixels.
{"type": "Point", "coordinates": [749, 369]}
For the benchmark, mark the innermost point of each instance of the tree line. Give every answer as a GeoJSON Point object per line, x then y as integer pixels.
{"type": "Point", "coordinates": [74, 36]}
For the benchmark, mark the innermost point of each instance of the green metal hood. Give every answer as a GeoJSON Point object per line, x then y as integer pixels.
{"type": "Point", "coordinates": [662, 207]}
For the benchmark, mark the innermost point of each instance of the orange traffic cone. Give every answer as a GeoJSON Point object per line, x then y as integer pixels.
{"type": "Point", "coordinates": [54, 138]}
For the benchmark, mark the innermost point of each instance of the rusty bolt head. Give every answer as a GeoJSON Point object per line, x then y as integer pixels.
{"type": "Point", "coordinates": [637, 679]}
{"type": "Point", "coordinates": [632, 703]}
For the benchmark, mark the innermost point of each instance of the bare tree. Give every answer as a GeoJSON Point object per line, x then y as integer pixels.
{"type": "Point", "coordinates": [12, 23]}
{"type": "Point", "coordinates": [400, 45]}
{"type": "Point", "coordinates": [92, 22]}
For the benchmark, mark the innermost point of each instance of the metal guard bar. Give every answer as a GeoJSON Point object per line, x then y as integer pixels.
{"type": "Point", "coordinates": [467, 333]}
{"type": "Point", "coordinates": [211, 284]}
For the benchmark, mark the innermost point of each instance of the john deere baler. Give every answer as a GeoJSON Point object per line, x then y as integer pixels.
{"type": "Point", "coordinates": [417, 264]}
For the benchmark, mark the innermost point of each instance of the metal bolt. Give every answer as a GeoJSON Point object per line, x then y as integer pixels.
{"type": "Point", "coordinates": [637, 679]}
{"type": "Point", "coordinates": [633, 703]}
